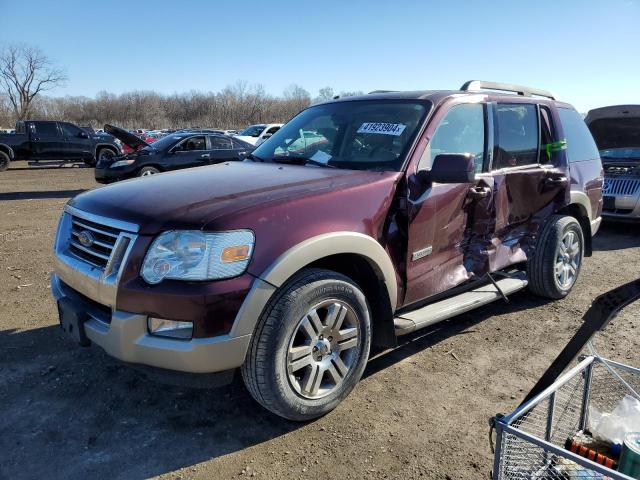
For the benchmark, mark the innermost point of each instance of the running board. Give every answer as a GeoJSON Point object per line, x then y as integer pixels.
{"type": "Point", "coordinates": [450, 307]}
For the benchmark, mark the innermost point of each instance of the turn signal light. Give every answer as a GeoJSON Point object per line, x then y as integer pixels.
{"type": "Point", "coordinates": [236, 253]}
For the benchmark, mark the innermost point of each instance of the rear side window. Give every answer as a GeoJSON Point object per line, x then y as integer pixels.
{"type": "Point", "coordinates": [460, 131]}
{"type": "Point", "coordinates": [220, 143]}
{"type": "Point", "coordinates": [517, 135]}
{"type": "Point", "coordinates": [46, 129]}
{"type": "Point", "coordinates": [580, 144]}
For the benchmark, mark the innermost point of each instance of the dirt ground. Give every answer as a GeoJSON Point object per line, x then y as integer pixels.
{"type": "Point", "coordinates": [421, 410]}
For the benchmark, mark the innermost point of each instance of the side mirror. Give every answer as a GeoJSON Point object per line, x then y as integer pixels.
{"type": "Point", "coordinates": [451, 168]}
{"type": "Point", "coordinates": [83, 135]}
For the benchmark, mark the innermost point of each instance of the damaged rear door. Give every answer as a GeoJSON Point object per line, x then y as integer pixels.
{"type": "Point", "coordinates": [530, 180]}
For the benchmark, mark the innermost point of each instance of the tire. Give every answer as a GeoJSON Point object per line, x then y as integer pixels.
{"type": "Point", "coordinates": [146, 171]}
{"type": "Point", "coordinates": [104, 154]}
{"type": "Point", "coordinates": [313, 382]}
{"type": "Point", "coordinates": [555, 265]}
{"type": "Point", "coordinates": [4, 161]}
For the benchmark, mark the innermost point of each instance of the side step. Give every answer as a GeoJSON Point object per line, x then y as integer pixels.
{"type": "Point", "coordinates": [450, 307]}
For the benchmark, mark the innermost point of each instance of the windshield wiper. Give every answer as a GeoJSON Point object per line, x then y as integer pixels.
{"type": "Point", "coordinates": [302, 161]}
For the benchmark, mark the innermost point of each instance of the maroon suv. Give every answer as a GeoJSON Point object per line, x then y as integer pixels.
{"type": "Point", "coordinates": [361, 220]}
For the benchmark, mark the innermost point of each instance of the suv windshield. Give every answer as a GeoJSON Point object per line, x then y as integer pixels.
{"type": "Point", "coordinates": [253, 131]}
{"type": "Point", "coordinates": [359, 135]}
{"type": "Point", "coordinates": [621, 153]}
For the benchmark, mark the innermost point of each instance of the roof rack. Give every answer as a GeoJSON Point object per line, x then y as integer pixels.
{"type": "Point", "coordinates": [381, 91]}
{"type": "Point", "coordinates": [506, 87]}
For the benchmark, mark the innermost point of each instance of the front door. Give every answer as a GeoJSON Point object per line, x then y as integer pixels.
{"type": "Point", "coordinates": [190, 152]}
{"type": "Point", "coordinates": [444, 219]}
{"type": "Point", "coordinates": [77, 145]}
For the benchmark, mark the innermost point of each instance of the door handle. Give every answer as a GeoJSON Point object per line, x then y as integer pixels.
{"type": "Point", "coordinates": [476, 193]}
{"type": "Point", "coordinates": [205, 155]}
{"type": "Point", "coordinates": [556, 181]}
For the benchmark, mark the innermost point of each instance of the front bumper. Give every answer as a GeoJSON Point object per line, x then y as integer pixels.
{"type": "Point", "coordinates": [110, 175]}
{"type": "Point", "coordinates": [124, 335]}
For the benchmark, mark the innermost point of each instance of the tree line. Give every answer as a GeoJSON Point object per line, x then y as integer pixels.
{"type": "Point", "coordinates": [26, 73]}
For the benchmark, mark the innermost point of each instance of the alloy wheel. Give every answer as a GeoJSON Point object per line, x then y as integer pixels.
{"type": "Point", "coordinates": [323, 349]}
{"type": "Point", "coordinates": [568, 258]}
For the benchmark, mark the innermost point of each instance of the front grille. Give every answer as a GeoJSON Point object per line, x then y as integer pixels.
{"type": "Point", "coordinates": [620, 186]}
{"type": "Point", "coordinates": [102, 241]}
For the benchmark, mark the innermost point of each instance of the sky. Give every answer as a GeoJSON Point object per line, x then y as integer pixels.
{"type": "Point", "coordinates": [587, 52]}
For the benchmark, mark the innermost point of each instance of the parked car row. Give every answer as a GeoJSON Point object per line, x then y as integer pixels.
{"type": "Point", "coordinates": [359, 221]}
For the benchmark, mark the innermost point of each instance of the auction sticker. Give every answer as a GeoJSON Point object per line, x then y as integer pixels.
{"type": "Point", "coordinates": [395, 129]}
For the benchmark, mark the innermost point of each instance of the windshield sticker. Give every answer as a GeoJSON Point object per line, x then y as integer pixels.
{"type": "Point", "coordinates": [395, 129]}
{"type": "Point", "coordinates": [321, 156]}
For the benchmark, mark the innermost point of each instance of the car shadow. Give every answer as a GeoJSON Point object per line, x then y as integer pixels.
{"type": "Point", "coordinates": [617, 236]}
{"type": "Point", "coordinates": [40, 195]}
{"type": "Point", "coordinates": [105, 419]}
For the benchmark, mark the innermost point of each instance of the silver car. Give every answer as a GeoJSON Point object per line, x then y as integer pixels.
{"type": "Point", "coordinates": [616, 130]}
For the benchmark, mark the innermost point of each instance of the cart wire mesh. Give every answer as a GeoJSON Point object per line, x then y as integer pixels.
{"type": "Point", "coordinates": [531, 441]}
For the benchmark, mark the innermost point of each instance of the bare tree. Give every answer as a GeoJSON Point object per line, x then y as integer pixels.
{"type": "Point", "coordinates": [25, 72]}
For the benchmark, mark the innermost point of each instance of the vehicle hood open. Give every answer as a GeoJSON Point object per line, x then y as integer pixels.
{"type": "Point", "coordinates": [194, 198]}
{"type": "Point", "coordinates": [615, 127]}
{"type": "Point", "coordinates": [129, 139]}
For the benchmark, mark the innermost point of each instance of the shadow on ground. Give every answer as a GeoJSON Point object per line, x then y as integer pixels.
{"type": "Point", "coordinates": [70, 412]}
{"type": "Point", "coordinates": [617, 236]}
{"type": "Point", "coordinates": [39, 195]}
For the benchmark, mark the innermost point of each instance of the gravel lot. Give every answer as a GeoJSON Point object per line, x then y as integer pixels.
{"type": "Point", "coordinates": [420, 411]}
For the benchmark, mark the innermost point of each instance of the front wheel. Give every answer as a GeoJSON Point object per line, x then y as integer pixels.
{"type": "Point", "coordinates": [555, 265]}
{"type": "Point", "coordinates": [310, 346]}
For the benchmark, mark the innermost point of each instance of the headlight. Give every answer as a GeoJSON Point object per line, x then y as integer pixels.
{"type": "Point", "coordinates": [196, 255]}
{"type": "Point", "coordinates": [122, 163]}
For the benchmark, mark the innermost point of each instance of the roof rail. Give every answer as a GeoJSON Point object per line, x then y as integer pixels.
{"type": "Point", "coordinates": [381, 91]}
{"type": "Point", "coordinates": [506, 87]}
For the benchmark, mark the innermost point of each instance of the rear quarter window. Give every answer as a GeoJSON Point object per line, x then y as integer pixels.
{"type": "Point", "coordinates": [580, 143]}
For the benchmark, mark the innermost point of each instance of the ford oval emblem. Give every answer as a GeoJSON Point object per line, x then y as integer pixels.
{"type": "Point", "coordinates": [86, 238]}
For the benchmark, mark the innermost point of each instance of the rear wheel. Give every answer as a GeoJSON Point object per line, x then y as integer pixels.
{"type": "Point", "coordinates": [555, 265]}
{"type": "Point", "coordinates": [310, 346]}
{"type": "Point", "coordinates": [146, 171]}
{"type": "Point", "coordinates": [4, 161]}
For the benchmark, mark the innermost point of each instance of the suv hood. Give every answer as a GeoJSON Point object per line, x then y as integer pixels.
{"type": "Point", "coordinates": [615, 127]}
{"type": "Point", "coordinates": [193, 198]}
{"type": "Point", "coordinates": [129, 139]}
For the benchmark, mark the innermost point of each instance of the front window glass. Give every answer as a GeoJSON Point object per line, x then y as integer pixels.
{"type": "Point", "coordinates": [359, 135]}
{"type": "Point", "coordinates": [518, 136]}
{"type": "Point", "coordinates": [191, 144]}
{"type": "Point", "coordinates": [252, 131]}
{"type": "Point", "coordinates": [70, 130]}
{"type": "Point", "coordinates": [460, 131]}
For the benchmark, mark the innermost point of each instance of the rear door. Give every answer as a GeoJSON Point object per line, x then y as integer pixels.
{"type": "Point", "coordinates": [446, 220]}
{"type": "Point", "coordinates": [47, 141]}
{"type": "Point", "coordinates": [530, 180]}
{"type": "Point", "coordinates": [77, 144]}
{"type": "Point", "coordinates": [221, 149]}
{"type": "Point", "coordinates": [190, 152]}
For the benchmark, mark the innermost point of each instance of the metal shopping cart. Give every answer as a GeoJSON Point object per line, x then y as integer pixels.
{"type": "Point", "coordinates": [531, 442]}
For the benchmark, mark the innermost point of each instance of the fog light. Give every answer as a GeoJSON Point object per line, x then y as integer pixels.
{"type": "Point", "coordinates": [170, 328]}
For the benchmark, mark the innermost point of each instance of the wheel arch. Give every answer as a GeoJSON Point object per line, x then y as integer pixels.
{"type": "Point", "coordinates": [8, 150]}
{"type": "Point", "coordinates": [579, 209]}
{"type": "Point", "coordinates": [355, 255]}
{"type": "Point", "coordinates": [100, 146]}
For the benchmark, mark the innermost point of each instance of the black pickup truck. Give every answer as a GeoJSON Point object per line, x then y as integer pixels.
{"type": "Point", "coordinates": [51, 140]}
